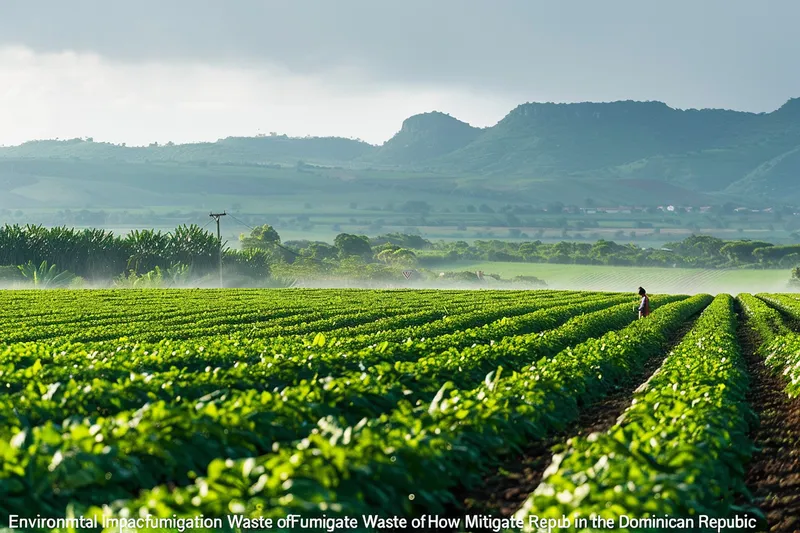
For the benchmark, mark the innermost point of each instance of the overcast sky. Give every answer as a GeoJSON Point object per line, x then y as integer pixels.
{"type": "Point", "coordinates": [138, 71]}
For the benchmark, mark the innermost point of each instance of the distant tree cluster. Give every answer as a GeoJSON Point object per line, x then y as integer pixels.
{"type": "Point", "coordinates": [697, 251]}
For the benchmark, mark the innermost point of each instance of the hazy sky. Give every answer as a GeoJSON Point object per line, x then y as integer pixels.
{"type": "Point", "coordinates": [138, 71]}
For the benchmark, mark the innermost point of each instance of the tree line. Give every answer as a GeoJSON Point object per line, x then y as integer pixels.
{"type": "Point", "coordinates": [191, 251]}
{"type": "Point", "coordinates": [696, 251]}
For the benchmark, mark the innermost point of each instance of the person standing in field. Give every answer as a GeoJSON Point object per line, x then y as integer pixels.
{"type": "Point", "coordinates": [644, 305]}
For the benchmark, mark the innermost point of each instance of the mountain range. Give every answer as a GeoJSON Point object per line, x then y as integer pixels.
{"type": "Point", "coordinates": [536, 150]}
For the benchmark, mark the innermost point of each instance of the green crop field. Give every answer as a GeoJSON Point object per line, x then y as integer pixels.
{"type": "Point", "coordinates": [616, 278]}
{"type": "Point", "coordinates": [522, 406]}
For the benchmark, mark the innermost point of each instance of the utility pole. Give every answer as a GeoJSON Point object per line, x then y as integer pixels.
{"type": "Point", "coordinates": [217, 216]}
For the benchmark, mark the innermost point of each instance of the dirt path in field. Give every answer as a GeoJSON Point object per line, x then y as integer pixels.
{"type": "Point", "coordinates": [773, 476]}
{"type": "Point", "coordinates": [505, 489]}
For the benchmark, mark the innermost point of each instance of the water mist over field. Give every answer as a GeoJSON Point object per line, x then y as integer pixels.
{"type": "Point", "coordinates": [653, 286]}
{"type": "Point", "coordinates": [708, 287]}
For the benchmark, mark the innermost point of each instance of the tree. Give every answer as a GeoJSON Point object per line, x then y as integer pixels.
{"type": "Point", "coordinates": [742, 251]}
{"type": "Point", "coordinates": [348, 245]}
{"type": "Point", "coordinates": [790, 260]}
{"type": "Point", "coordinates": [399, 256]}
{"type": "Point", "coordinates": [263, 237]}
{"type": "Point", "coordinates": [46, 276]}
{"type": "Point", "coordinates": [527, 249]}
{"type": "Point", "coordinates": [603, 248]}
{"type": "Point", "coordinates": [699, 246]}
{"type": "Point", "coordinates": [404, 257]}
{"type": "Point", "coordinates": [775, 254]}
{"type": "Point", "coordinates": [251, 263]}
{"type": "Point", "coordinates": [390, 246]}
{"type": "Point", "coordinates": [320, 251]}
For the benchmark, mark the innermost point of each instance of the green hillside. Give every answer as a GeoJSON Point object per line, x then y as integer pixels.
{"type": "Point", "coordinates": [753, 159]}
{"type": "Point", "coordinates": [618, 153]}
{"type": "Point", "coordinates": [231, 150]}
{"type": "Point", "coordinates": [566, 139]}
{"type": "Point", "coordinates": [424, 137]}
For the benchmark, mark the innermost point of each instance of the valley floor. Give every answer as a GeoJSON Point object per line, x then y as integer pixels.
{"type": "Point", "coordinates": [628, 279]}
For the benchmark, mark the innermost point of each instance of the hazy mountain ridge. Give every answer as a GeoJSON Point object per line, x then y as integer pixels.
{"type": "Point", "coordinates": [710, 150]}
{"type": "Point", "coordinates": [239, 150]}
{"type": "Point", "coordinates": [423, 137]}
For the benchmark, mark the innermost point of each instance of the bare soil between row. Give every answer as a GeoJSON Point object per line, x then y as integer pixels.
{"type": "Point", "coordinates": [505, 489]}
{"type": "Point", "coordinates": [773, 476]}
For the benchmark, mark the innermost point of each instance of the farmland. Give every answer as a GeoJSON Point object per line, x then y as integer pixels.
{"type": "Point", "coordinates": [402, 403]}
{"type": "Point", "coordinates": [621, 278]}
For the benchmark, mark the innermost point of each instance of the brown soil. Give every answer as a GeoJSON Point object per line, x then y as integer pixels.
{"type": "Point", "coordinates": [773, 476]}
{"type": "Point", "coordinates": [505, 490]}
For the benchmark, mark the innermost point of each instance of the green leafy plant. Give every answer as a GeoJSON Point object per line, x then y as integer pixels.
{"type": "Point", "coordinates": [46, 276]}
{"type": "Point", "coordinates": [684, 438]}
{"type": "Point", "coordinates": [780, 345]}
{"type": "Point", "coordinates": [446, 439]}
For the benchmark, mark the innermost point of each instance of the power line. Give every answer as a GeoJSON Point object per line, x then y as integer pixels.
{"type": "Point", "coordinates": [241, 222]}
{"type": "Point", "coordinates": [193, 219]}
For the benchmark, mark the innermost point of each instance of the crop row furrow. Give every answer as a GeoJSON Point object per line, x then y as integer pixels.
{"type": "Point", "coordinates": [68, 319]}
{"type": "Point", "coordinates": [241, 423]}
{"type": "Point", "coordinates": [780, 345]}
{"type": "Point", "coordinates": [449, 442]}
{"type": "Point", "coordinates": [462, 330]}
{"type": "Point", "coordinates": [183, 327]}
{"type": "Point", "coordinates": [310, 323]}
{"type": "Point", "coordinates": [684, 439]}
{"type": "Point", "coordinates": [144, 372]}
{"type": "Point", "coordinates": [115, 360]}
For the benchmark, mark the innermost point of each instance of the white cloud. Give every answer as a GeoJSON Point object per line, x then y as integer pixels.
{"type": "Point", "coordinates": [69, 94]}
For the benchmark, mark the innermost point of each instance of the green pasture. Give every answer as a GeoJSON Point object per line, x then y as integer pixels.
{"type": "Point", "coordinates": [655, 280]}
